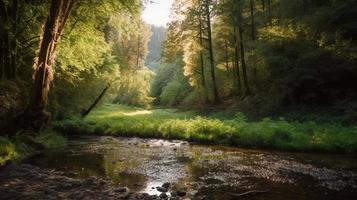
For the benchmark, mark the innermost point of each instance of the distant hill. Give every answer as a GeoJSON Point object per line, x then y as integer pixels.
{"type": "Point", "coordinates": [156, 40]}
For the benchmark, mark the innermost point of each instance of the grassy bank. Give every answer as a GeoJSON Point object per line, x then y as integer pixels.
{"type": "Point", "coordinates": [23, 144]}
{"type": "Point", "coordinates": [171, 124]}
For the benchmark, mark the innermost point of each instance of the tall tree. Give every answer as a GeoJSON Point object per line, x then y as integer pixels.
{"type": "Point", "coordinates": [239, 10]}
{"type": "Point", "coordinates": [207, 5]}
{"type": "Point", "coordinates": [43, 65]}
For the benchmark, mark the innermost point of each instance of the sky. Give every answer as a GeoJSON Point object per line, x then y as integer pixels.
{"type": "Point", "coordinates": [157, 13]}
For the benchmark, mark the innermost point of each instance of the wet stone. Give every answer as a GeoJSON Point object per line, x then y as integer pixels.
{"type": "Point", "coordinates": [166, 185]}
{"type": "Point", "coordinates": [122, 189]}
{"type": "Point", "coordinates": [181, 192]}
{"type": "Point", "coordinates": [163, 195]}
{"type": "Point", "coordinates": [162, 189]}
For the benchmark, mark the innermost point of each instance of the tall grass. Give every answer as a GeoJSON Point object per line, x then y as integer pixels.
{"type": "Point", "coordinates": [171, 124]}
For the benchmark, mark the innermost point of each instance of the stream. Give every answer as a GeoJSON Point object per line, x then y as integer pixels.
{"type": "Point", "coordinates": [209, 172]}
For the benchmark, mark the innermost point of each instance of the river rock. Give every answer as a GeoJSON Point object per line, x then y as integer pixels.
{"type": "Point", "coordinates": [122, 189]}
{"type": "Point", "coordinates": [181, 192]}
{"type": "Point", "coordinates": [166, 185]}
{"type": "Point", "coordinates": [163, 195]}
{"type": "Point", "coordinates": [162, 189]}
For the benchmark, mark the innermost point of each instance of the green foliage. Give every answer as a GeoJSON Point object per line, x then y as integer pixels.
{"type": "Point", "coordinates": [7, 150]}
{"type": "Point", "coordinates": [170, 86]}
{"type": "Point", "coordinates": [172, 124]}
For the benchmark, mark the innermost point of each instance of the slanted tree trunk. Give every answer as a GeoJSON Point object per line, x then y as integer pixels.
{"type": "Point", "coordinates": [210, 49]}
{"type": "Point", "coordinates": [43, 65]}
{"type": "Point", "coordinates": [86, 112]}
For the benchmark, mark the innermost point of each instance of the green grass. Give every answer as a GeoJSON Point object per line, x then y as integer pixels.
{"type": "Point", "coordinates": [172, 124]}
{"type": "Point", "coordinates": [23, 144]}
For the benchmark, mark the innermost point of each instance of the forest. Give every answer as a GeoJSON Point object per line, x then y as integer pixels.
{"type": "Point", "coordinates": [231, 99]}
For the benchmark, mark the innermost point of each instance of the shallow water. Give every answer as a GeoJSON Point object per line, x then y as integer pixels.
{"type": "Point", "coordinates": [211, 171]}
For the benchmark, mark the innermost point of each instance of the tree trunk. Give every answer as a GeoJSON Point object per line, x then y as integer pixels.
{"type": "Point", "coordinates": [254, 36]}
{"type": "Point", "coordinates": [241, 48]}
{"type": "Point", "coordinates": [201, 57]}
{"type": "Point", "coordinates": [226, 55]}
{"type": "Point", "coordinates": [85, 113]}
{"type": "Point", "coordinates": [3, 16]}
{"type": "Point", "coordinates": [210, 49]}
{"type": "Point", "coordinates": [252, 19]}
{"type": "Point", "coordinates": [236, 60]}
{"type": "Point", "coordinates": [269, 13]}
{"type": "Point", "coordinates": [242, 60]}
{"type": "Point", "coordinates": [7, 57]}
{"type": "Point", "coordinates": [43, 72]}
{"type": "Point", "coordinates": [14, 40]}
{"type": "Point", "coordinates": [1, 59]}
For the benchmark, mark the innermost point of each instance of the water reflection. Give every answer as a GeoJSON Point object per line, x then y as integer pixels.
{"type": "Point", "coordinates": [211, 171]}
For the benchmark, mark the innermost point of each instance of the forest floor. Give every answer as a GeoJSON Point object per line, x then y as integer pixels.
{"type": "Point", "coordinates": [214, 128]}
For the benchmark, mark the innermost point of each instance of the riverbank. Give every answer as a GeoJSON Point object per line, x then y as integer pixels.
{"type": "Point", "coordinates": [24, 144]}
{"type": "Point", "coordinates": [214, 128]}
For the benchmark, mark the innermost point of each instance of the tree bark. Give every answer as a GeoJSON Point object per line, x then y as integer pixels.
{"type": "Point", "coordinates": [210, 49]}
{"type": "Point", "coordinates": [201, 56]}
{"type": "Point", "coordinates": [252, 19]}
{"type": "Point", "coordinates": [226, 55]}
{"type": "Point", "coordinates": [85, 113]}
{"type": "Point", "coordinates": [269, 13]}
{"type": "Point", "coordinates": [254, 36]}
{"type": "Point", "coordinates": [242, 51]}
{"type": "Point", "coordinates": [1, 59]}
{"type": "Point", "coordinates": [14, 18]}
{"type": "Point", "coordinates": [236, 60]}
{"type": "Point", "coordinates": [2, 40]}
{"type": "Point", "coordinates": [43, 71]}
